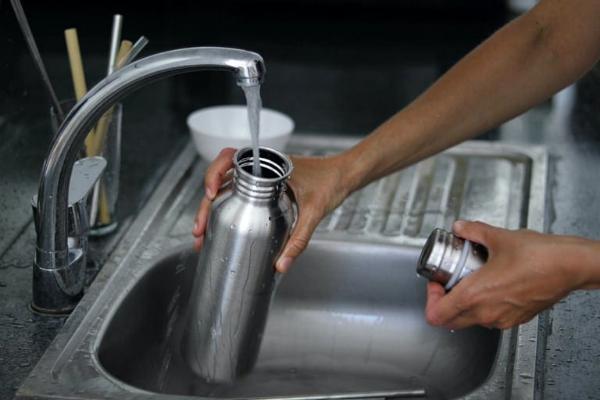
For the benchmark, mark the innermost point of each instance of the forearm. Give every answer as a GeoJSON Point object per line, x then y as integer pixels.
{"type": "Point", "coordinates": [519, 66]}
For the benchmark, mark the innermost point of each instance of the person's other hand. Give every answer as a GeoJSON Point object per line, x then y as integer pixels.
{"type": "Point", "coordinates": [316, 183]}
{"type": "Point", "coordinates": [526, 272]}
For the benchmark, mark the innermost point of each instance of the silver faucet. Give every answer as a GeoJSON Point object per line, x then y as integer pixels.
{"type": "Point", "coordinates": [57, 279]}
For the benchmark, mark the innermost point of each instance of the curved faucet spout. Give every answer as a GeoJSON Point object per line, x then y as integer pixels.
{"type": "Point", "coordinates": [52, 248]}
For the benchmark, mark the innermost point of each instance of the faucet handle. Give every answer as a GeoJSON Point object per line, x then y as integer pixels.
{"type": "Point", "coordinates": [86, 173]}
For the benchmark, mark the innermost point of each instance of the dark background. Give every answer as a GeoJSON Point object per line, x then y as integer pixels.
{"type": "Point", "coordinates": [325, 59]}
{"type": "Point", "coordinates": [334, 67]}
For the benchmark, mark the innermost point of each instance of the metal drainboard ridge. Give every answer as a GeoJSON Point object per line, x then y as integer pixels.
{"type": "Point", "coordinates": [471, 182]}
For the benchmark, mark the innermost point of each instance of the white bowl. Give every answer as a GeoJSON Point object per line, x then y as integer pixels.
{"type": "Point", "coordinates": [215, 128]}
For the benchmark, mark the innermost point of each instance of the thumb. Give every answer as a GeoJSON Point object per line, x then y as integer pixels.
{"type": "Point", "coordinates": [305, 226]}
{"type": "Point", "coordinates": [478, 232]}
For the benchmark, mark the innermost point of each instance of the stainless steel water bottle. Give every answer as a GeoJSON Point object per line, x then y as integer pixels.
{"type": "Point", "coordinates": [447, 258]}
{"type": "Point", "coordinates": [248, 226]}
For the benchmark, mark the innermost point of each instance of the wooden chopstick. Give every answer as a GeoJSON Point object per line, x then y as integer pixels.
{"type": "Point", "coordinates": [78, 76]}
{"type": "Point", "coordinates": [76, 63]}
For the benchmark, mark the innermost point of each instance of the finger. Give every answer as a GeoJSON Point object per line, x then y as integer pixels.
{"type": "Point", "coordinates": [477, 232]}
{"type": "Point", "coordinates": [198, 243]}
{"type": "Point", "coordinates": [462, 321]}
{"type": "Point", "coordinates": [435, 292]}
{"type": "Point", "coordinates": [503, 320]}
{"type": "Point", "coordinates": [478, 317]}
{"type": "Point", "coordinates": [202, 217]}
{"type": "Point", "coordinates": [441, 307]}
{"type": "Point", "coordinates": [216, 172]}
{"type": "Point", "coordinates": [305, 226]}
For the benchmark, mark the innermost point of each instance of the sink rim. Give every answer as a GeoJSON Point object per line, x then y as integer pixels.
{"type": "Point", "coordinates": [74, 338]}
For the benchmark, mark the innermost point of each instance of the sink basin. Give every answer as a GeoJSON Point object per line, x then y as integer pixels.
{"type": "Point", "coordinates": [346, 322]}
{"type": "Point", "coordinates": [347, 319]}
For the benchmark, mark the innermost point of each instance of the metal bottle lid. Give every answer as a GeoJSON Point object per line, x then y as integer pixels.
{"type": "Point", "coordinates": [447, 258]}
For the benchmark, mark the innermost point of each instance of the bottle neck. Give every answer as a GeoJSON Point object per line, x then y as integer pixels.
{"type": "Point", "coordinates": [275, 170]}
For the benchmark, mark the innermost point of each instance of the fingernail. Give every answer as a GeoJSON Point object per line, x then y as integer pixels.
{"type": "Point", "coordinates": [458, 225]}
{"type": "Point", "coordinates": [209, 193]}
{"type": "Point", "coordinates": [195, 227]}
{"type": "Point", "coordinates": [284, 264]}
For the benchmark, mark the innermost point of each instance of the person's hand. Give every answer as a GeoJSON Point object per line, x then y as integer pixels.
{"type": "Point", "coordinates": [318, 187]}
{"type": "Point", "coordinates": [216, 175]}
{"type": "Point", "coordinates": [526, 272]}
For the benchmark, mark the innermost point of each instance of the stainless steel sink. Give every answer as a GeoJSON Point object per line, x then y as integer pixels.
{"type": "Point", "coordinates": [347, 319]}
{"type": "Point", "coordinates": [346, 322]}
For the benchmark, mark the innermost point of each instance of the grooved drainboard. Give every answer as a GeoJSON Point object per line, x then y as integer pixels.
{"type": "Point", "coordinates": [406, 206]}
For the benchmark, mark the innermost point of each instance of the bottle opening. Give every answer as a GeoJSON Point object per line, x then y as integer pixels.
{"type": "Point", "coordinates": [273, 164]}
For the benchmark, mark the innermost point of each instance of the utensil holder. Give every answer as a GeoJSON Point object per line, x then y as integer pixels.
{"type": "Point", "coordinates": [105, 141]}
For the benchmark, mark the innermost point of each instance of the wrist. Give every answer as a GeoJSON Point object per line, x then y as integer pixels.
{"type": "Point", "coordinates": [352, 171]}
{"type": "Point", "coordinates": [591, 263]}
{"type": "Point", "coordinates": [582, 262]}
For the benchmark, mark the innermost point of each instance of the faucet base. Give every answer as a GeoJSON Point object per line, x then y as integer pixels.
{"type": "Point", "coordinates": [49, 312]}
{"type": "Point", "coordinates": [104, 230]}
{"type": "Point", "coordinates": [57, 291]}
